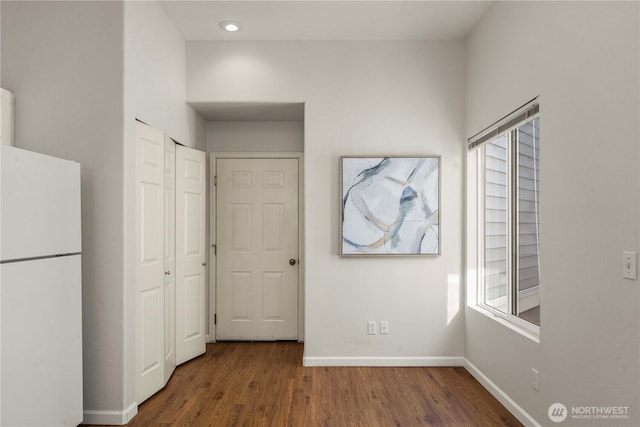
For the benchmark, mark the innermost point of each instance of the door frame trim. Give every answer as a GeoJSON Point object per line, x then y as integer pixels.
{"type": "Point", "coordinates": [213, 156]}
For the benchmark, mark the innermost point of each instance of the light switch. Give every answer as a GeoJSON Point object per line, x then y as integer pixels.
{"type": "Point", "coordinates": [629, 265]}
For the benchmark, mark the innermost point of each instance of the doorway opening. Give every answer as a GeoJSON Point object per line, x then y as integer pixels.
{"type": "Point", "coordinates": [256, 220]}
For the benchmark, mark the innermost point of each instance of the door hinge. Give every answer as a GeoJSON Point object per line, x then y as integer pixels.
{"type": "Point", "coordinates": [215, 181]}
{"type": "Point", "coordinates": [215, 319]}
{"type": "Point", "coordinates": [215, 249]}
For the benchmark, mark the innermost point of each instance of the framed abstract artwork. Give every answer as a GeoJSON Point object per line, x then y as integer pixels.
{"type": "Point", "coordinates": [390, 205]}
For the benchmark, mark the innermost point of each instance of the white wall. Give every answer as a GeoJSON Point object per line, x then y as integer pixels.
{"type": "Point", "coordinates": [154, 92]}
{"type": "Point", "coordinates": [155, 75]}
{"type": "Point", "coordinates": [361, 98]}
{"type": "Point", "coordinates": [255, 136]}
{"type": "Point", "coordinates": [582, 58]}
{"type": "Point", "coordinates": [67, 78]}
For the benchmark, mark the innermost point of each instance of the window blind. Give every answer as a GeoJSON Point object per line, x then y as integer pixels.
{"type": "Point", "coordinates": [505, 124]}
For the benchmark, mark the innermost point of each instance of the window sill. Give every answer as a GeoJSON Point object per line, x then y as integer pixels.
{"type": "Point", "coordinates": [505, 321]}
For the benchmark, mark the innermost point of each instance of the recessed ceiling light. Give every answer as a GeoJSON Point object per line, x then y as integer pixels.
{"type": "Point", "coordinates": [231, 26]}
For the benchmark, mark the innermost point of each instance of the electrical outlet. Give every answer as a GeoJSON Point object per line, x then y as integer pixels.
{"type": "Point", "coordinates": [384, 326]}
{"type": "Point", "coordinates": [535, 379]}
{"type": "Point", "coordinates": [372, 327]}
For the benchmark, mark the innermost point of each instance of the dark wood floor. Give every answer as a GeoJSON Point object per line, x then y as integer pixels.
{"type": "Point", "coordinates": [265, 384]}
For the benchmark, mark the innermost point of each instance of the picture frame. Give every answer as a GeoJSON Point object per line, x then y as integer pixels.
{"type": "Point", "coordinates": [390, 205]}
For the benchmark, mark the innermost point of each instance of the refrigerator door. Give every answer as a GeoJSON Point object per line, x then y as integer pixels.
{"type": "Point", "coordinates": [41, 347]}
{"type": "Point", "coordinates": [40, 205]}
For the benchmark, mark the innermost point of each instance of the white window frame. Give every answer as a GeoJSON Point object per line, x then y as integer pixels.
{"type": "Point", "coordinates": [512, 320]}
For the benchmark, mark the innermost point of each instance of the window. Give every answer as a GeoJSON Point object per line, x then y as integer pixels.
{"type": "Point", "coordinates": [509, 207]}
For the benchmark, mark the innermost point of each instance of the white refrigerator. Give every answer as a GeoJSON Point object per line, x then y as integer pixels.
{"type": "Point", "coordinates": [40, 290]}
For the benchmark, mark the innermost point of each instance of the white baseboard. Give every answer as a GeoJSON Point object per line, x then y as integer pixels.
{"type": "Point", "coordinates": [383, 361]}
{"type": "Point", "coordinates": [118, 418]}
{"type": "Point", "coordinates": [502, 397]}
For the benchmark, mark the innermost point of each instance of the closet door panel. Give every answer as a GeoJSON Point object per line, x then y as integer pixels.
{"type": "Point", "coordinates": [149, 263]}
{"type": "Point", "coordinates": [169, 258]}
{"type": "Point", "coordinates": [190, 253]}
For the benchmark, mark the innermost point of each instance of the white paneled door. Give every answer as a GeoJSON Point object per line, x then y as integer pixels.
{"type": "Point", "coordinates": [190, 253]}
{"type": "Point", "coordinates": [149, 252]}
{"type": "Point", "coordinates": [257, 249]}
{"type": "Point", "coordinates": [169, 258]}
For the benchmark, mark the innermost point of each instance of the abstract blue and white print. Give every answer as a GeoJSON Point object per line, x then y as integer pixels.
{"type": "Point", "coordinates": [390, 205]}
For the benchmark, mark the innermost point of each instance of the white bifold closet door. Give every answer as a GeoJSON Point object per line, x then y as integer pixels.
{"type": "Point", "coordinates": [191, 169]}
{"type": "Point", "coordinates": [170, 258]}
{"type": "Point", "coordinates": [150, 258]}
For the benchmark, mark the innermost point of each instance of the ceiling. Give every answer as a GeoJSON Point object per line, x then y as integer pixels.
{"type": "Point", "coordinates": [326, 20]}
{"type": "Point", "coordinates": [305, 20]}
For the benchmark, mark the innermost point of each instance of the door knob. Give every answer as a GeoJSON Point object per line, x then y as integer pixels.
{"type": "Point", "coordinates": [292, 261]}
{"type": "Point", "coordinates": [167, 273]}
